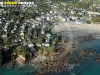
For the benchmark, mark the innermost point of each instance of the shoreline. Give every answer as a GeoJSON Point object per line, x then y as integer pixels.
{"type": "Point", "coordinates": [83, 36]}
{"type": "Point", "coordinates": [65, 63]}
{"type": "Point", "coordinates": [52, 64]}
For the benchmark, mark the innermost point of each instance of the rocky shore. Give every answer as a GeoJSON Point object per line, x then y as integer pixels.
{"type": "Point", "coordinates": [57, 65]}
{"type": "Point", "coordinates": [52, 65]}
{"type": "Point", "coordinates": [12, 61]}
{"type": "Point", "coordinates": [50, 62]}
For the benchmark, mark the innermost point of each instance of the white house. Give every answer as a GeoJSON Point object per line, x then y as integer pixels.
{"type": "Point", "coordinates": [42, 13]}
{"type": "Point", "coordinates": [48, 35]}
{"type": "Point", "coordinates": [81, 13]}
{"type": "Point", "coordinates": [0, 21]}
{"type": "Point", "coordinates": [42, 30]}
{"type": "Point", "coordinates": [47, 18]}
{"type": "Point", "coordinates": [30, 45]}
{"type": "Point", "coordinates": [47, 40]}
{"type": "Point", "coordinates": [38, 18]}
{"type": "Point", "coordinates": [5, 27]}
{"type": "Point", "coordinates": [46, 44]}
{"type": "Point", "coordinates": [22, 34]}
{"type": "Point", "coordinates": [5, 30]}
{"type": "Point", "coordinates": [73, 12]}
{"type": "Point", "coordinates": [12, 20]}
{"type": "Point", "coordinates": [51, 12]}
{"type": "Point", "coordinates": [33, 26]}
{"type": "Point", "coordinates": [73, 17]}
{"type": "Point", "coordinates": [12, 31]}
{"type": "Point", "coordinates": [78, 21]}
{"type": "Point", "coordinates": [38, 44]}
{"type": "Point", "coordinates": [14, 28]}
{"type": "Point", "coordinates": [4, 35]}
{"type": "Point", "coordinates": [68, 18]}
{"type": "Point", "coordinates": [42, 17]}
{"type": "Point", "coordinates": [92, 13]}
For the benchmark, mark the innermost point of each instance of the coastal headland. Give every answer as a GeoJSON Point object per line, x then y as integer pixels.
{"type": "Point", "coordinates": [60, 60]}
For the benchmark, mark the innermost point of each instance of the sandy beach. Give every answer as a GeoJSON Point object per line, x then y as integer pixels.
{"type": "Point", "coordinates": [73, 30]}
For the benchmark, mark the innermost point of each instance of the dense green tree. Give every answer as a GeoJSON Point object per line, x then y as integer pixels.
{"type": "Point", "coordinates": [21, 50]}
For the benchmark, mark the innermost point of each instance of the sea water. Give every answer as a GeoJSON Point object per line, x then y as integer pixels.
{"type": "Point", "coordinates": [88, 67]}
{"type": "Point", "coordinates": [17, 70]}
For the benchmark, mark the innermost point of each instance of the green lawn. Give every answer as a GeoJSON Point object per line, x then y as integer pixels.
{"type": "Point", "coordinates": [50, 48]}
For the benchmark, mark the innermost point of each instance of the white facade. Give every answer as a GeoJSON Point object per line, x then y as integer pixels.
{"type": "Point", "coordinates": [38, 18]}
{"type": "Point", "coordinates": [30, 45]}
{"type": "Point", "coordinates": [46, 44]}
{"type": "Point", "coordinates": [38, 45]}
{"type": "Point", "coordinates": [73, 12]}
{"type": "Point", "coordinates": [78, 22]}
{"type": "Point", "coordinates": [48, 35]}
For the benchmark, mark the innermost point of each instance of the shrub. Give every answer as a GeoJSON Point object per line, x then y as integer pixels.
{"type": "Point", "coordinates": [88, 22]}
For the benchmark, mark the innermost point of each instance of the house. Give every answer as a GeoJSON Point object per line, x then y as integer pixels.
{"type": "Point", "coordinates": [51, 12]}
{"type": "Point", "coordinates": [79, 21]}
{"type": "Point", "coordinates": [38, 18]}
{"type": "Point", "coordinates": [21, 15]}
{"type": "Point", "coordinates": [47, 40]}
{"type": "Point", "coordinates": [22, 34]}
{"type": "Point", "coordinates": [46, 44]}
{"type": "Point", "coordinates": [17, 21]}
{"type": "Point", "coordinates": [0, 21]}
{"type": "Point", "coordinates": [48, 35]}
{"type": "Point", "coordinates": [93, 13]}
{"type": "Point", "coordinates": [42, 13]}
{"type": "Point", "coordinates": [73, 17]}
{"type": "Point", "coordinates": [16, 39]}
{"type": "Point", "coordinates": [48, 18]}
{"type": "Point", "coordinates": [12, 31]}
{"type": "Point", "coordinates": [12, 19]}
{"type": "Point", "coordinates": [73, 12]}
{"type": "Point", "coordinates": [42, 16]}
{"type": "Point", "coordinates": [30, 45]}
{"type": "Point", "coordinates": [38, 44]}
{"type": "Point", "coordinates": [14, 28]}
{"type": "Point", "coordinates": [68, 18]}
{"type": "Point", "coordinates": [42, 31]}
{"type": "Point", "coordinates": [4, 12]}
{"type": "Point", "coordinates": [5, 30]}
{"type": "Point", "coordinates": [81, 13]}
{"type": "Point", "coordinates": [22, 38]}
{"type": "Point", "coordinates": [5, 27]}
{"type": "Point", "coordinates": [34, 36]}
{"type": "Point", "coordinates": [4, 35]}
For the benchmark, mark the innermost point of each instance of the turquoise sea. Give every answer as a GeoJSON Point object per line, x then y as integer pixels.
{"type": "Point", "coordinates": [88, 67]}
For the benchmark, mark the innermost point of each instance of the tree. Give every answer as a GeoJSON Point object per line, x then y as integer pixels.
{"type": "Point", "coordinates": [21, 50]}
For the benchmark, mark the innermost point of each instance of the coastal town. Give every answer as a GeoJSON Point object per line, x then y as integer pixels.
{"type": "Point", "coordinates": [45, 32]}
